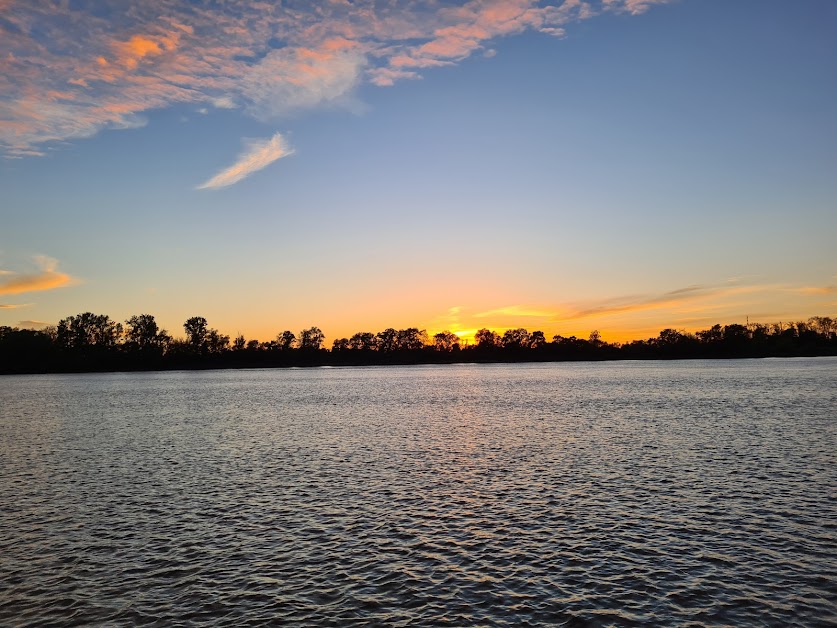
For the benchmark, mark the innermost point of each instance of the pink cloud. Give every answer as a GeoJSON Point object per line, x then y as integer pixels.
{"type": "Point", "coordinates": [66, 73]}
{"type": "Point", "coordinates": [634, 7]}
{"type": "Point", "coordinates": [386, 77]}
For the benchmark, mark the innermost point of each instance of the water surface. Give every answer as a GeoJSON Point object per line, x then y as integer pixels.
{"type": "Point", "coordinates": [608, 493]}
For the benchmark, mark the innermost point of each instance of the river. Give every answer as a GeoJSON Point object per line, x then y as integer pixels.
{"type": "Point", "coordinates": [623, 493]}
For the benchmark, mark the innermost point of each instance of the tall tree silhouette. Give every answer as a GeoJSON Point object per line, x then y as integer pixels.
{"type": "Point", "coordinates": [196, 331]}
{"type": "Point", "coordinates": [363, 341]}
{"type": "Point", "coordinates": [387, 340]}
{"type": "Point", "coordinates": [445, 341]}
{"type": "Point", "coordinates": [142, 333]}
{"type": "Point", "coordinates": [487, 339]}
{"type": "Point", "coordinates": [311, 338]}
{"type": "Point", "coordinates": [285, 340]}
{"type": "Point", "coordinates": [88, 330]}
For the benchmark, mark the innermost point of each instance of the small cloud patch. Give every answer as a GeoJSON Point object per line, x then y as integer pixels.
{"type": "Point", "coordinates": [258, 154]}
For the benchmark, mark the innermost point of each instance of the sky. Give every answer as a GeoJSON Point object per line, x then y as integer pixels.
{"type": "Point", "coordinates": [564, 166]}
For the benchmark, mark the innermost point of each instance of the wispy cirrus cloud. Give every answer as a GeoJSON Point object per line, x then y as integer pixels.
{"type": "Point", "coordinates": [640, 315]}
{"type": "Point", "coordinates": [313, 77]}
{"type": "Point", "coordinates": [13, 306]}
{"type": "Point", "coordinates": [608, 307]}
{"type": "Point", "coordinates": [517, 310]}
{"type": "Point", "coordinates": [634, 7]}
{"type": "Point", "coordinates": [257, 155]}
{"type": "Point", "coordinates": [48, 277]}
{"type": "Point", "coordinates": [817, 290]}
{"type": "Point", "coordinates": [639, 303]}
{"type": "Point", "coordinates": [694, 298]}
{"type": "Point", "coordinates": [30, 324]}
{"type": "Point", "coordinates": [699, 297]}
{"type": "Point", "coordinates": [70, 70]}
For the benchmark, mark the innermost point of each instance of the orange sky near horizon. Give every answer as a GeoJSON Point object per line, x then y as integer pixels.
{"type": "Point", "coordinates": [341, 310]}
{"type": "Point", "coordinates": [617, 320]}
{"type": "Point", "coordinates": [272, 167]}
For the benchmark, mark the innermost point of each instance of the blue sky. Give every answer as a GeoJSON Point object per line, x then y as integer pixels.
{"type": "Point", "coordinates": [653, 164]}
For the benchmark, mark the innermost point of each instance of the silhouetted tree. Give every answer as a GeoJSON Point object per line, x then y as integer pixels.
{"type": "Point", "coordinates": [735, 333]}
{"type": "Point", "coordinates": [196, 331]}
{"type": "Point", "coordinates": [203, 340]}
{"type": "Point", "coordinates": [88, 330]}
{"type": "Point", "coordinates": [387, 340]}
{"type": "Point", "coordinates": [216, 342]}
{"type": "Point", "coordinates": [673, 343]}
{"type": "Point", "coordinates": [26, 350]}
{"type": "Point", "coordinates": [142, 333]}
{"type": "Point", "coordinates": [411, 339]}
{"type": "Point", "coordinates": [714, 334]}
{"type": "Point", "coordinates": [285, 340]}
{"type": "Point", "coordinates": [487, 339]}
{"type": "Point", "coordinates": [445, 341]}
{"type": "Point", "coordinates": [670, 337]}
{"type": "Point", "coordinates": [824, 325]}
{"type": "Point", "coordinates": [94, 342]}
{"type": "Point", "coordinates": [516, 339]}
{"type": "Point", "coordinates": [759, 333]}
{"type": "Point", "coordinates": [363, 341]}
{"type": "Point", "coordinates": [311, 338]}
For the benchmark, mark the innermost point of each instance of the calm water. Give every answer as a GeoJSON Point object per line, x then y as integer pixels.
{"type": "Point", "coordinates": [615, 493]}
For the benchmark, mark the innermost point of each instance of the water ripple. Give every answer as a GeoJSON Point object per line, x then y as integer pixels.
{"type": "Point", "coordinates": [696, 494]}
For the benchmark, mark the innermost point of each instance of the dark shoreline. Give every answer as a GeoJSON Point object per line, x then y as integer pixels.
{"type": "Point", "coordinates": [328, 359]}
{"type": "Point", "coordinates": [91, 343]}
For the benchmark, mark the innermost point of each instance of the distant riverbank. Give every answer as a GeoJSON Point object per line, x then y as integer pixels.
{"type": "Point", "coordinates": [323, 358]}
{"type": "Point", "coordinates": [94, 343]}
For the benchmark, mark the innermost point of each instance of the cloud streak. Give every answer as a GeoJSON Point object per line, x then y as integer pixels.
{"type": "Point", "coordinates": [68, 72]}
{"type": "Point", "coordinates": [47, 278]}
{"type": "Point", "coordinates": [817, 290]}
{"type": "Point", "coordinates": [257, 155]}
{"type": "Point", "coordinates": [671, 299]}
{"type": "Point", "coordinates": [516, 310]}
{"type": "Point", "coordinates": [696, 297]}
{"type": "Point", "coordinates": [30, 324]}
{"type": "Point", "coordinates": [638, 303]}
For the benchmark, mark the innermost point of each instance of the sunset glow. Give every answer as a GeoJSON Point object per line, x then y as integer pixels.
{"type": "Point", "coordinates": [556, 166]}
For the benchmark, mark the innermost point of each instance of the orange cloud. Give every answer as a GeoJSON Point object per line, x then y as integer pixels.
{"type": "Point", "coordinates": [817, 290]}
{"type": "Point", "coordinates": [517, 310]}
{"type": "Point", "coordinates": [140, 46]}
{"type": "Point", "coordinates": [97, 73]}
{"type": "Point", "coordinates": [48, 278]}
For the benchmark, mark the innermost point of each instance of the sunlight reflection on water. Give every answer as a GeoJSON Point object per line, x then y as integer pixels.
{"type": "Point", "coordinates": [449, 495]}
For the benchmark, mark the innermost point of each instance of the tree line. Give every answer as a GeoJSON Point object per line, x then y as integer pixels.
{"type": "Point", "coordinates": [95, 342]}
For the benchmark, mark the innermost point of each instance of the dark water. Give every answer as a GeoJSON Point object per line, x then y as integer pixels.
{"type": "Point", "coordinates": [620, 493]}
